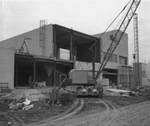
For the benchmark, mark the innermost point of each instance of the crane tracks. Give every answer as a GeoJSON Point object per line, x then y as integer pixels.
{"type": "Point", "coordinates": [75, 108]}
{"type": "Point", "coordinates": [109, 105]}
{"type": "Point", "coordinates": [89, 112]}
{"type": "Point", "coordinates": [81, 107]}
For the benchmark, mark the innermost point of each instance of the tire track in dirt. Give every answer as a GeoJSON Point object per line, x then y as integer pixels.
{"type": "Point", "coordinates": [104, 116]}
{"type": "Point", "coordinates": [109, 105]}
{"type": "Point", "coordinates": [137, 114]}
{"type": "Point", "coordinates": [86, 107]}
{"type": "Point", "coordinates": [76, 110]}
{"type": "Point", "coordinates": [77, 106]}
{"type": "Point", "coordinates": [86, 119]}
{"type": "Point", "coordinates": [112, 116]}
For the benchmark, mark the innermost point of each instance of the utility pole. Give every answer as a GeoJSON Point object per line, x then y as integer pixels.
{"type": "Point", "coordinates": [136, 51]}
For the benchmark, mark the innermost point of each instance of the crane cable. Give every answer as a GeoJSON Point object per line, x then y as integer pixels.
{"type": "Point", "coordinates": [111, 23]}
{"type": "Point", "coordinates": [79, 64]}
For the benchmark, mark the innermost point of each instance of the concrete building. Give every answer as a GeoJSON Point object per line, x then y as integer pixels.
{"type": "Point", "coordinates": [115, 71]}
{"type": "Point", "coordinates": [37, 53]}
{"type": "Point", "coordinates": [118, 60]}
{"type": "Point", "coordinates": [144, 76]}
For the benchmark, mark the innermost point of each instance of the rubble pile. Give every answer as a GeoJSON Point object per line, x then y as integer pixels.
{"type": "Point", "coordinates": [32, 99]}
{"type": "Point", "coordinates": [23, 104]}
{"type": "Point", "coordinates": [142, 90]}
{"type": "Point", "coordinates": [20, 101]}
{"type": "Point", "coordinates": [32, 95]}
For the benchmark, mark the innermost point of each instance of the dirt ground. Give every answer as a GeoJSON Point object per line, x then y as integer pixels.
{"type": "Point", "coordinates": [41, 111]}
{"type": "Point", "coordinates": [107, 111]}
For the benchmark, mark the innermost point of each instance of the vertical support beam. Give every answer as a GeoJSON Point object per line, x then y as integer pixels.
{"type": "Point", "coordinates": [34, 72]}
{"type": "Point", "coordinates": [75, 55]}
{"type": "Point", "coordinates": [16, 72]}
{"type": "Point", "coordinates": [71, 45]}
{"type": "Point", "coordinates": [54, 75]}
{"type": "Point", "coordinates": [93, 61]}
{"type": "Point", "coordinates": [93, 69]}
{"type": "Point", "coordinates": [54, 42]}
{"type": "Point", "coordinates": [101, 50]}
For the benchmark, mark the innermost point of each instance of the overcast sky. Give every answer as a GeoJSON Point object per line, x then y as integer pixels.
{"type": "Point", "coordinates": [87, 16]}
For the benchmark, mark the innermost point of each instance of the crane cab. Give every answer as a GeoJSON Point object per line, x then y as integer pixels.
{"type": "Point", "coordinates": [81, 77]}
{"type": "Point", "coordinates": [84, 82]}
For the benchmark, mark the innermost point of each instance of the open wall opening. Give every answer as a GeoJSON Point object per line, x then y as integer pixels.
{"type": "Point", "coordinates": [44, 73]}
{"type": "Point", "coordinates": [78, 44]}
{"type": "Point", "coordinates": [64, 54]}
{"type": "Point", "coordinates": [27, 66]}
{"type": "Point", "coordinates": [40, 70]}
{"type": "Point", "coordinates": [62, 71]}
{"type": "Point", "coordinates": [111, 75]}
{"type": "Point", "coordinates": [23, 70]}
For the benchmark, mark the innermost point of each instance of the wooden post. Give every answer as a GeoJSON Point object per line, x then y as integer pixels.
{"type": "Point", "coordinates": [34, 72]}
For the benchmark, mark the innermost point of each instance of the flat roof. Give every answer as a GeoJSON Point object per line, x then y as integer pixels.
{"type": "Point", "coordinates": [79, 38]}
{"type": "Point", "coordinates": [75, 32]}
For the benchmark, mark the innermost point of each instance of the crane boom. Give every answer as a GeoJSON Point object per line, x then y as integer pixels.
{"type": "Point", "coordinates": [115, 39]}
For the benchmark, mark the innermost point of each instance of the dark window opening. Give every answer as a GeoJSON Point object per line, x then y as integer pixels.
{"type": "Point", "coordinates": [123, 60]}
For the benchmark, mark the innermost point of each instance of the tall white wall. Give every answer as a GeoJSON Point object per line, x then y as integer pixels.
{"type": "Point", "coordinates": [7, 67]}
{"type": "Point", "coordinates": [121, 50]}
{"type": "Point", "coordinates": [9, 46]}
{"type": "Point", "coordinates": [33, 45]}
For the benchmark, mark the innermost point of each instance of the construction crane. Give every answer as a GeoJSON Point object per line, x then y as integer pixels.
{"type": "Point", "coordinates": [136, 50]}
{"type": "Point", "coordinates": [116, 38]}
{"type": "Point", "coordinates": [87, 85]}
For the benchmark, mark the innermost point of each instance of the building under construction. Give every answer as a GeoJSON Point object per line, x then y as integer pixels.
{"type": "Point", "coordinates": [38, 53]}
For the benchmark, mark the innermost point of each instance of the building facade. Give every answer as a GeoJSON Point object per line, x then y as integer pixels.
{"type": "Point", "coordinates": [37, 53]}
{"type": "Point", "coordinates": [118, 60]}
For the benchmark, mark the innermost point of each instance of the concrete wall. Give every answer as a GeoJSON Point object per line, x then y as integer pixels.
{"type": "Point", "coordinates": [145, 79]}
{"type": "Point", "coordinates": [7, 67]}
{"type": "Point", "coordinates": [121, 50]}
{"type": "Point", "coordinates": [33, 45]}
{"type": "Point", "coordinates": [9, 46]}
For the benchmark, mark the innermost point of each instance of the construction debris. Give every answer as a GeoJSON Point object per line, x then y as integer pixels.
{"type": "Point", "coordinates": [32, 95]}
{"type": "Point", "coordinates": [118, 92]}
{"type": "Point", "coordinates": [23, 104]}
